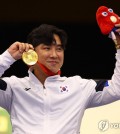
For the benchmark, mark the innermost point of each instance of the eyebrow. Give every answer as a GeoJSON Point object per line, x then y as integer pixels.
{"type": "Point", "coordinates": [59, 45]}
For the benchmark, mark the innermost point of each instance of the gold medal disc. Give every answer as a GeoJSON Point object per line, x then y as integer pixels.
{"type": "Point", "coordinates": [30, 57]}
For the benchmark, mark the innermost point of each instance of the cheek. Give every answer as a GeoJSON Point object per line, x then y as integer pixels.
{"type": "Point", "coordinates": [41, 58]}
{"type": "Point", "coordinates": [42, 55]}
{"type": "Point", "coordinates": [61, 57]}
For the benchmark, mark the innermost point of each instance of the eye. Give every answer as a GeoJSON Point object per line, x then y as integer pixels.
{"type": "Point", "coordinates": [46, 48]}
{"type": "Point", "coordinates": [110, 10]}
{"type": "Point", "coordinates": [59, 48]}
{"type": "Point", "coordinates": [104, 13]}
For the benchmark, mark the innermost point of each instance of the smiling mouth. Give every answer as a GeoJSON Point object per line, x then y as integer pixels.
{"type": "Point", "coordinates": [53, 62]}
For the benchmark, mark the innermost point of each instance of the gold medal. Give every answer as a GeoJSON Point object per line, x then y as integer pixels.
{"type": "Point", "coordinates": [30, 57]}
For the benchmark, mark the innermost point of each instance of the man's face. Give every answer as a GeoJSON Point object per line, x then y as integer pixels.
{"type": "Point", "coordinates": [51, 56]}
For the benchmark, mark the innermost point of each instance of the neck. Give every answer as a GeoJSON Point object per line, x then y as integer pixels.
{"type": "Point", "coordinates": [40, 75]}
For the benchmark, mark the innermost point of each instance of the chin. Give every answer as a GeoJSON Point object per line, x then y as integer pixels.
{"type": "Point", "coordinates": [53, 71]}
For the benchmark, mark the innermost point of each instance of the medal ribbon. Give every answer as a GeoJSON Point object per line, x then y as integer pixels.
{"type": "Point", "coordinates": [47, 71]}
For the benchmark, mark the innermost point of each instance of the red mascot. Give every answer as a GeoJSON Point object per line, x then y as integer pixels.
{"type": "Point", "coordinates": [106, 20]}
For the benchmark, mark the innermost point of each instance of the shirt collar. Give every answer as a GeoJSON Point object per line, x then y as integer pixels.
{"type": "Point", "coordinates": [34, 79]}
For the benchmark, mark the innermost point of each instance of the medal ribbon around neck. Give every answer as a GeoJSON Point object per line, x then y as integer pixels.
{"type": "Point", "coordinates": [47, 71]}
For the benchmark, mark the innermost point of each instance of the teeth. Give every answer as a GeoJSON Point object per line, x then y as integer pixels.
{"type": "Point", "coordinates": [113, 19]}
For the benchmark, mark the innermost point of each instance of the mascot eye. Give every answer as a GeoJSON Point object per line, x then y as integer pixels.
{"type": "Point", "coordinates": [104, 13]}
{"type": "Point", "coordinates": [110, 10]}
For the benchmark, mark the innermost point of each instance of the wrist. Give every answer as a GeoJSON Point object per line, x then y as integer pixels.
{"type": "Point", "coordinates": [117, 46]}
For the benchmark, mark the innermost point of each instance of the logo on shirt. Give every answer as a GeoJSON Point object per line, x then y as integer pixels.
{"type": "Point", "coordinates": [26, 89]}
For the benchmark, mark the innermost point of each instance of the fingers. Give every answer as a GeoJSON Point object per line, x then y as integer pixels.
{"type": "Point", "coordinates": [117, 25]}
{"type": "Point", "coordinates": [23, 46]}
{"type": "Point", "coordinates": [118, 28]}
{"type": "Point", "coordinates": [16, 49]}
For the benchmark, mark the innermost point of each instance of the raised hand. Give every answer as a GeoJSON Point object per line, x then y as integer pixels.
{"type": "Point", "coordinates": [16, 49]}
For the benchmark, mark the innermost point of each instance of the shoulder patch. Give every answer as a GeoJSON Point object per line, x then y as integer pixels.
{"type": "Point", "coordinates": [3, 85]}
{"type": "Point", "coordinates": [101, 84]}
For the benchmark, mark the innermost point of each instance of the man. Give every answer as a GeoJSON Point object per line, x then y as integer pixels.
{"type": "Point", "coordinates": [44, 102]}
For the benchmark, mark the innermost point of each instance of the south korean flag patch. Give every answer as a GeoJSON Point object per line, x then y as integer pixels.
{"type": "Point", "coordinates": [64, 89]}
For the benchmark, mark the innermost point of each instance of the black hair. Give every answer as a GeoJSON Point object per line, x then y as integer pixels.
{"type": "Point", "coordinates": [45, 34]}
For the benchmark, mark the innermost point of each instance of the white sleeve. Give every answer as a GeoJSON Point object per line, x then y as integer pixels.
{"type": "Point", "coordinates": [5, 61]}
{"type": "Point", "coordinates": [111, 91]}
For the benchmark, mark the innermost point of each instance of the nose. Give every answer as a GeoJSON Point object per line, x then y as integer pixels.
{"type": "Point", "coordinates": [53, 53]}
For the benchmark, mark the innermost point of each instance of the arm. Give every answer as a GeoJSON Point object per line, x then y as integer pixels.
{"type": "Point", "coordinates": [110, 91]}
{"type": "Point", "coordinates": [13, 53]}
